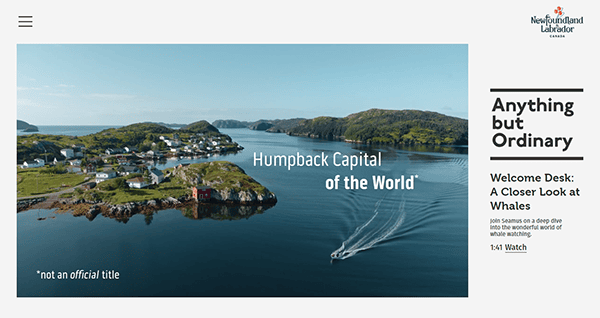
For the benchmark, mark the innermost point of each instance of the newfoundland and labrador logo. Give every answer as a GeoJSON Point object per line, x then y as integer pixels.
{"type": "Point", "coordinates": [559, 11]}
{"type": "Point", "coordinates": [558, 26]}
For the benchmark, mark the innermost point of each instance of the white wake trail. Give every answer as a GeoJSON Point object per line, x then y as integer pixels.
{"type": "Point", "coordinates": [378, 228]}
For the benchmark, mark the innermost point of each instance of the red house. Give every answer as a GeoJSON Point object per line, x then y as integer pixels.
{"type": "Point", "coordinates": [201, 193]}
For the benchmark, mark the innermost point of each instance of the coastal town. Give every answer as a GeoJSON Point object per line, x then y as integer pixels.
{"type": "Point", "coordinates": [115, 171]}
{"type": "Point", "coordinates": [120, 162]}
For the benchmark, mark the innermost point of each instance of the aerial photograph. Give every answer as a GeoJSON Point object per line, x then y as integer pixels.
{"type": "Point", "coordinates": [242, 170]}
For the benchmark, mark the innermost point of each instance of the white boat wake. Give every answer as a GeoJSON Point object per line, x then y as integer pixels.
{"type": "Point", "coordinates": [378, 228]}
{"type": "Point", "coordinates": [455, 170]}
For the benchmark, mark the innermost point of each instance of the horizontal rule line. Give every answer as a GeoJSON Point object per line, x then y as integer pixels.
{"type": "Point", "coordinates": [25, 16]}
{"type": "Point", "coordinates": [517, 90]}
{"type": "Point", "coordinates": [536, 158]}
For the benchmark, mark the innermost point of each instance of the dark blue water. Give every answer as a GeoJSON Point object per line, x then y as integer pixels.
{"type": "Point", "coordinates": [283, 251]}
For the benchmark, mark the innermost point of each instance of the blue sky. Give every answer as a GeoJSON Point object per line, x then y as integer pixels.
{"type": "Point", "coordinates": [108, 84]}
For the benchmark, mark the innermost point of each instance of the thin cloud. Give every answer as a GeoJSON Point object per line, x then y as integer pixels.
{"type": "Point", "coordinates": [25, 102]}
{"type": "Point", "coordinates": [59, 94]}
{"type": "Point", "coordinates": [110, 96]}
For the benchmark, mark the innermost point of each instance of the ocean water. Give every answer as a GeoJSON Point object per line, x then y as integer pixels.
{"type": "Point", "coordinates": [66, 130]}
{"type": "Point", "coordinates": [391, 242]}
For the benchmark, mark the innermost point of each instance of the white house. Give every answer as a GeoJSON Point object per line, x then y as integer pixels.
{"type": "Point", "coordinates": [113, 151]}
{"type": "Point", "coordinates": [130, 149]}
{"type": "Point", "coordinates": [75, 162]}
{"type": "Point", "coordinates": [154, 153]}
{"type": "Point", "coordinates": [68, 153]}
{"type": "Point", "coordinates": [137, 183]}
{"type": "Point", "coordinates": [80, 146]}
{"type": "Point", "coordinates": [78, 150]}
{"type": "Point", "coordinates": [156, 175]}
{"type": "Point", "coordinates": [126, 170]}
{"type": "Point", "coordinates": [34, 164]}
{"type": "Point", "coordinates": [173, 143]}
{"type": "Point", "coordinates": [105, 175]}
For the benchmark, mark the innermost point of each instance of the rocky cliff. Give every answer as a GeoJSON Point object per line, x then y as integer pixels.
{"type": "Point", "coordinates": [228, 182]}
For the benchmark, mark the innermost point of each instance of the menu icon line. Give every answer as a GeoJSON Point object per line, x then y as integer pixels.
{"type": "Point", "coordinates": [25, 23]}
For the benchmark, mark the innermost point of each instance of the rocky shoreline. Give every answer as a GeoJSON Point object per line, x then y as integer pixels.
{"type": "Point", "coordinates": [228, 184]}
{"type": "Point", "coordinates": [23, 205]}
{"type": "Point", "coordinates": [91, 209]}
{"type": "Point", "coordinates": [329, 137]}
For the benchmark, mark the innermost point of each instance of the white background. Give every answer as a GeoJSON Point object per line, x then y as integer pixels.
{"type": "Point", "coordinates": [558, 275]}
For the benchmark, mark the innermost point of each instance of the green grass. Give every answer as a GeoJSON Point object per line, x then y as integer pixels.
{"type": "Point", "coordinates": [171, 188]}
{"type": "Point", "coordinates": [423, 136]}
{"type": "Point", "coordinates": [227, 174]}
{"type": "Point", "coordinates": [67, 195]}
{"type": "Point", "coordinates": [32, 181]}
{"type": "Point", "coordinates": [231, 176]}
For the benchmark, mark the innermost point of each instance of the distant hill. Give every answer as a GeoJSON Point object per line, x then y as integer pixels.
{"type": "Point", "coordinates": [31, 147]}
{"type": "Point", "coordinates": [165, 124]}
{"type": "Point", "coordinates": [270, 125]}
{"type": "Point", "coordinates": [201, 126]}
{"type": "Point", "coordinates": [380, 126]}
{"type": "Point", "coordinates": [146, 128]}
{"type": "Point", "coordinates": [284, 125]}
{"type": "Point", "coordinates": [21, 125]}
{"type": "Point", "coordinates": [261, 125]}
{"type": "Point", "coordinates": [230, 123]}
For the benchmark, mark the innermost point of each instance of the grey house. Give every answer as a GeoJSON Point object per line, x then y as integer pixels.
{"type": "Point", "coordinates": [156, 175]}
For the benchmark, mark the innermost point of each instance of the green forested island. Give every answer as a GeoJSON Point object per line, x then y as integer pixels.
{"type": "Point", "coordinates": [227, 182]}
{"type": "Point", "coordinates": [115, 168]}
{"type": "Point", "coordinates": [377, 126]}
{"type": "Point", "coordinates": [269, 125]}
{"type": "Point", "coordinates": [27, 127]}
{"type": "Point", "coordinates": [231, 123]}
{"type": "Point", "coordinates": [381, 126]}
{"type": "Point", "coordinates": [209, 182]}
